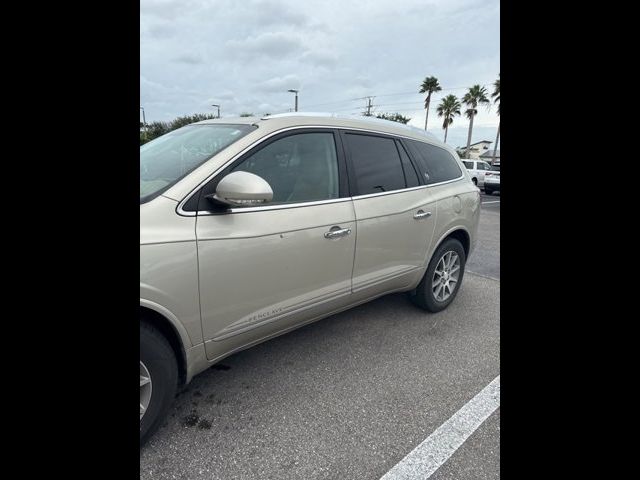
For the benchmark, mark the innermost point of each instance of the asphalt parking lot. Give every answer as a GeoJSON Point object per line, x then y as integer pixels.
{"type": "Point", "coordinates": [350, 396]}
{"type": "Point", "coordinates": [485, 260]}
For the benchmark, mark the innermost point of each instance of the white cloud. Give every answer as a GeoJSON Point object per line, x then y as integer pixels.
{"type": "Point", "coordinates": [270, 45]}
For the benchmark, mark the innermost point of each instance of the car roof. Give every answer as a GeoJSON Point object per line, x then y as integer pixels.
{"type": "Point", "coordinates": [284, 120]}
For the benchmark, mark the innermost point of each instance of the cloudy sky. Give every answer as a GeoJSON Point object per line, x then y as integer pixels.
{"type": "Point", "coordinates": [246, 54]}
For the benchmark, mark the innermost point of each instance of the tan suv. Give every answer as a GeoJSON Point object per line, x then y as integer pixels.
{"type": "Point", "coordinates": [251, 227]}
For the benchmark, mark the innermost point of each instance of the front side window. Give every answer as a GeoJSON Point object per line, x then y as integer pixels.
{"type": "Point", "coordinates": [438, 164]}
{"type": "Point", "coordinates": [168, 158]}
{"type": "Point", "coordinates": [299, 168]}
{"type": "Point", "coordinates": [376, 163]}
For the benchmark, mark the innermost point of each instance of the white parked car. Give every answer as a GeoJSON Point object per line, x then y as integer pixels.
{"type": "Point", "coordinates": [492, 180]}
{"type": "Point", "coordinates": [477, 170]}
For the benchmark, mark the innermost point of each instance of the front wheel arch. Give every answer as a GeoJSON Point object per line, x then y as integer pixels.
{"type": "Point", "coordinates": [164, 326]}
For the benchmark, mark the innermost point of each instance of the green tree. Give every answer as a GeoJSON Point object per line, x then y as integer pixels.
{"type": "Point", "coordinates": [475, 96]}
{"type": "Point", "coordinates": [189, 119]}
{"type": "Point", "coordinates": [429, 86]}
{"type": "Point", "coordinates": [496, 100]}
{"type": "Point", "coordinates": [245, 114]}
{"type": "Point", "coordinates": [394, 117]}
{"type": "Point", "coordinates": [448, 109]}
{"type": "Point", "coordinates": [157, 129]}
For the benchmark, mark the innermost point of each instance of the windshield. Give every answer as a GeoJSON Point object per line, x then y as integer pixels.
{"type": "Point", "coordinates": [168, 158]}
{"type": "Point", "coordinates": [496, 167]}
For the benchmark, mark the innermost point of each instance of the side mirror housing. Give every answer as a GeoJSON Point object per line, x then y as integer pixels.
{"type": "Point", "coordinates": [243, 189]}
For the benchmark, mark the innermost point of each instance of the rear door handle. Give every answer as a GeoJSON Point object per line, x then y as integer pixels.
{"type": "Point", "coordinates": [337, 232]}
{"type": "Point", "coordinates": [421, 214]}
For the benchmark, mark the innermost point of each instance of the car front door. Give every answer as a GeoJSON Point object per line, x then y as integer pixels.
{"type": "Point", "coordinates": [267, 269]}
{"type": "Point", "coordinates": [395, 213]}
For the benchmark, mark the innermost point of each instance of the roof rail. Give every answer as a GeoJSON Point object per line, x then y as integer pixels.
{"type": "Point", "coordinates": [351, 117]}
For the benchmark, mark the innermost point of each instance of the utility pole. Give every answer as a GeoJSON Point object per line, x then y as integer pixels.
{"type": "Point", "coordinates": [144, 125]}
{"type": "Point", "coordinates": [495, 146]}
{"type": "Point", "coordinates": [368, 114]}
{"type": "Point", "coordinates": [296, 92]}
{"type": "Point", "coordinates": [218, 107]}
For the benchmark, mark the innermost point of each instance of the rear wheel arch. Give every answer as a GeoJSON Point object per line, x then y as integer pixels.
{"type": "Point", "coordinates": [459, 234]}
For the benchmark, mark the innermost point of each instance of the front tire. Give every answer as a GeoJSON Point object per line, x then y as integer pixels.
{"type": "Point", "coordinates": [488, 191]}
{"type": "Point", "coordinates": [443, 277]}
{"type": "Point", "coordinates": [158, 379]}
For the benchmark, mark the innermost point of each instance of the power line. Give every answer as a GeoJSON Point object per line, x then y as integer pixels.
{"type": "Point", "coordinates": [337, 101]}
{"type": "Point", "coordinates": [418, 93]}
{"type": "Point", "coordinates": [436, 94]}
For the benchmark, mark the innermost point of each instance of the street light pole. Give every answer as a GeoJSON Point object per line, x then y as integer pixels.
{"type": "Point", "coordinates": [218, 107]}
{"type": "Point", "coordinates": [296, 92]}
{"type": "Point", "coordinates": [144, 124]}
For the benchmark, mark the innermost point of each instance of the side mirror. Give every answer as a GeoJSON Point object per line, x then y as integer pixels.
{"type": "Point", "coordinates": [242, 189]}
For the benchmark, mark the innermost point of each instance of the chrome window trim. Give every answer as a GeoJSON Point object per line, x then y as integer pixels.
{"type": "Point", "coordinates": [205, 213]}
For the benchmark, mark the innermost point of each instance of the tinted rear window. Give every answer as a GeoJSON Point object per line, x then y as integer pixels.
{"type": "Point", "coordinates": [438, 164]}
{"type": "Point", "coordinates": [376, 163]}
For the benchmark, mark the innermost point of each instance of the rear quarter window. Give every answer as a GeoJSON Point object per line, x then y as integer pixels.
{"type": "Point", "coordinates": [436, 163]}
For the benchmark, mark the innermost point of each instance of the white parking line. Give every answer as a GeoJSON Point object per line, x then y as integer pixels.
{"type": "Point", "coordinates": [494, 201]}
{"type": "Point", "coordinates": [427, 457]}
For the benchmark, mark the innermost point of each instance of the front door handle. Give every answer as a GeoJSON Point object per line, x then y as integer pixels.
{"type": "Point", "coordinates": [422, 214]}
{"type": "Point", "coordinates": [337, 232]}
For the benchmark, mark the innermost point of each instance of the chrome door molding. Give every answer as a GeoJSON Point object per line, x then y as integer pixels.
{"type": "Point", "coordinates": [259, 320]}
{"type": "Point", "coordinates": [359, 287]}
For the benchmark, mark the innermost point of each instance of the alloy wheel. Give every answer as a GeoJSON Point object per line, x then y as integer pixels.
{"type": "Point", "coordinates": [445, 277]}
{"type": "Point", "coordinates": [145, 389]}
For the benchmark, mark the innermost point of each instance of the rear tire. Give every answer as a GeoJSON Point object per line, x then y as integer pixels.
{"type": "Point", "coordinates": [158, 363]}
{"type": "Point", "coordinates": [475, 181]}
{"type": "Point", "coordinates": [425, 296]}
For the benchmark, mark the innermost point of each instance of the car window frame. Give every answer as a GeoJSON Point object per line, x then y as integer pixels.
{"type": "Point", "coordinates": [194, 196]}
{"type": "Point", "coordinates": [418, 164]}
{"type": "Point", "coordinates": [351, 169]}
{"type": "Point", "coordinates": [196, 203]}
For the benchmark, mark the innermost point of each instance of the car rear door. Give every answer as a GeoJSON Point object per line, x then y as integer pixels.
{"type": "Point", "coordinates": [266, 269]}
{"type": "Point", "coordinates": [395, 214]}
{"type": "Point", "coordinates": [483, 168]}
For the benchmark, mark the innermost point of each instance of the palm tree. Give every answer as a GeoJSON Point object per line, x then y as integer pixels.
{"type": "Point", "coordinates": [429, 85]}
{"type": "Point", "coordinates": [496, 99]}
{"type": "Point", "coordinates": [476, 95]}
{"type": "Point", "coordinates": [448, 108]}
